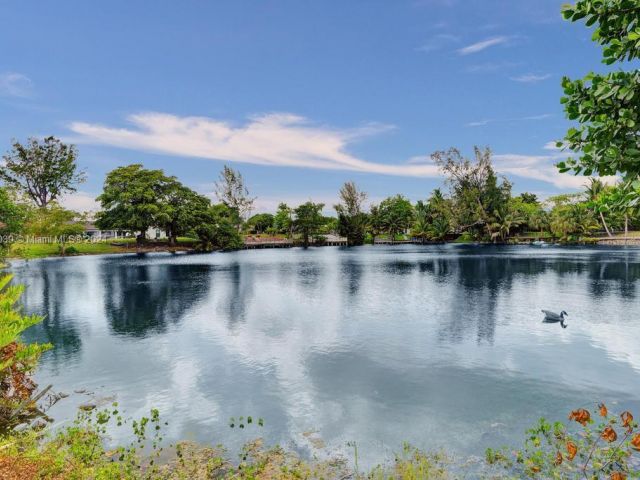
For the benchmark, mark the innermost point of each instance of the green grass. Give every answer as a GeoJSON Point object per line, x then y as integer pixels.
{"type": "Point", "coordinates": [40, 250]}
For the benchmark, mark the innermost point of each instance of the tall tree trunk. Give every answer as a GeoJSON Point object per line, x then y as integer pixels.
{"type": "Point", "coordinates": [605, 224]}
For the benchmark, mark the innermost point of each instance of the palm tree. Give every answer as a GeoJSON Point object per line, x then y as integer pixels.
{"type": "Point", "coordinates": [503, 224]}
{"type": "Point", "coordinates": [440, 227]}
{"type": "Point", "coordinates": [594, 192]}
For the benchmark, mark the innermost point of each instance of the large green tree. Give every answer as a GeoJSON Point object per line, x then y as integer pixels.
{"type": "Point", "coordinates": [352, 220]}
{"type": "Point", "coordinates": [283, 219]}
{"type": "Point", "coordinates": [132, 199]}
{"type": "Point", "coordinates": [397, 214]}
{"type": "Point", "coordinates": [55, 222]}
{"type": "Point", "coordinates": [478, 196]}
{"type": "Point", "coordinates": [260, 223]}
{"type": "Point", "coordinates": [181, 209]}
{"type": "Point", "coordinates": [308, 220]}
{"type": "Point", "coordinates": [42, 170]}
{"type": "Point", "coordinates": [375, 222]}
{"type": "Point", "coordinates": [216, 228]}
{"type": "Point", "coordinates": [232, 191]}
{"type": "Point", "coordinates": [606, 106]}
{"type": "Point", "coordinates": [432, 219]}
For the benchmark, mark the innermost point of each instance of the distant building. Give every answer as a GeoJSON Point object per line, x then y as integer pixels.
{"type": "Point", "coordinates": [155, 233]}
{"type": "Point", "coordinates": [94, 232]}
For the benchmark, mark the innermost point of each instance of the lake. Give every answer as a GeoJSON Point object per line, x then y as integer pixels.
{"type": "Point", "coordinates": [440, 346]}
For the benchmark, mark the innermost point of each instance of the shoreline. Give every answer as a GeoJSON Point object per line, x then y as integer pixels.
{"type": "Point", "coordinates": [189, 249]}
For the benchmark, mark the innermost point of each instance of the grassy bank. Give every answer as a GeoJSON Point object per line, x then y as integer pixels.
{"type": "Point", "coordinates": [41, 250]}
{"type": "Point", "coordinates": [593, 444]}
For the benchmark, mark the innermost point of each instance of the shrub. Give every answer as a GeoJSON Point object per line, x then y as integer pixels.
{"type": "Point", "coordinates": [596, 444]}
{"type": "Point", "coordinates": [17, 360]}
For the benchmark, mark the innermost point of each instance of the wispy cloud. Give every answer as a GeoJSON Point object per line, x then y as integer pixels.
{"type": "Point", "coordinates": [14, 84]}
{"type": "Point", "coordinates": [482, 123]}
{"type": "Point", "coordinates": [479, 123]}
{"type": "Point", "coordinates": [483, 45]}
{"type": "Point", "coordinates": [275, 139]}
{"type": "Point", "coordinates": [531, 78]}
{"type": "Point", "coordinates": [490, 67]}
{"type": "Point", "coordinates": [438, 42]}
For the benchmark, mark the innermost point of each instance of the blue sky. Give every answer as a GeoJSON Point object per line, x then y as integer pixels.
{"type": "Point", "coordinates": [298, 95]}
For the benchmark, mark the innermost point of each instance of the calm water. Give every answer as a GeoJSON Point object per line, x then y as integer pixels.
{"type": "Point", "coordinates": [439, 346]}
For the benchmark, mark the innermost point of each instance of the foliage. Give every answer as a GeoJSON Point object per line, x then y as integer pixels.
{"type": "Point", "coordinates": [181, 210]}
{"type": "Point", "coordinates": [352, 221]}
{"type": "Point", "coordinates": [375, 224]}
{"type": "Point", "coordinates": [432, 219]}
{"type": "Point", "coordinates": [43, 170]}
{"type": "Point", "coordinates": [260, 223]}
{"type": "Point", "coordinates": [17, 360]}
{"type": "Point", "coordinates": [12, 218]}
{"type": "Point", "coordinates": [54, 222]}
{"type": "Point", "coordinates": [131, 199]}
{"type": "Point", "coordinates": [12, 215]}
{"type": "Point", "coordinates": [479, 200]}
{"type": "Point", "coordinates": [596, 444]}
{"type": "Point", "coordinates": [308, 220]}
{"type": "Point", "coordinates": [283, 219]}
{"type": "Point", "coordinates": [607, 106]}
{"type": "Point", "coordinates": [530, 213]}
{"type": "Point", "coordinates": [217, 228]}
{"type": "Point", "coordinates": [396, 215]}
{"type": "Point", "coordinates": [572, 221]}
{"type": "Point", "coordinates": [231, 190]}
{"type": "Point", "coordinates": [78, 451]}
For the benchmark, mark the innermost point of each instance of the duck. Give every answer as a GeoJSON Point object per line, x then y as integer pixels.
{"type": "Point", "coordinates": [552, 317]}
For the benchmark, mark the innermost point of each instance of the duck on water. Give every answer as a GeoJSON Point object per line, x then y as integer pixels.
{"type": "Point", "coordinates": [552, 317]}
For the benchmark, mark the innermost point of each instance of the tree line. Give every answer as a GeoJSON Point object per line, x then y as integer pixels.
{"type": "Point", "coordinates": [477, 206]}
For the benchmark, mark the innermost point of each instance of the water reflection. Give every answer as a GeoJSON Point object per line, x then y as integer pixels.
{"type": "Point", "coordinates": [141, 299]}
{"type": "Point", "coordinates": [431, 345]}
{"type": "Point", "coordinates": [240, 282]}
{"type": "Point", "coordinates": [48, 295]}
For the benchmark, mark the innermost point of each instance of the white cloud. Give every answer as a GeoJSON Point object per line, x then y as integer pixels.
{"type": "Point", "coordinates": [537, 117]}
{"type": "Point", "coordinates": [489, 67]}
{"type": "Point", "coordinates": [420, 160]}
{"type": "Point", "coordinates": [483, 45]}
{"type": "Point", "coordinates": [531, 78]}
{"type": "Point", "coordinates": [541, 168]}
{"type": "Point", "coordinates": [481, 123]}
{"type": "Point", "coordinates": [276, 139]}
{"type": "Point", "coordinates": [14, 84]}
{"type": "Point", "coordinates": [80, 202]}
